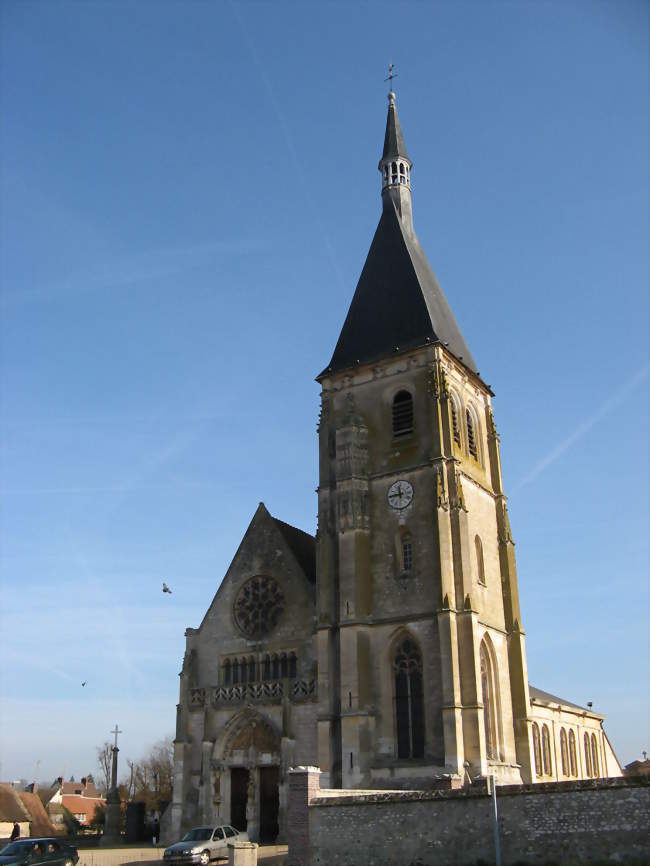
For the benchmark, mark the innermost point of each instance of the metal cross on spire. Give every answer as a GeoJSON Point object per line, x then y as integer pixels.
{"type": "Point", "coordinates": [116, 732]}
{"type": "Point", "coordinates": [391, 74]}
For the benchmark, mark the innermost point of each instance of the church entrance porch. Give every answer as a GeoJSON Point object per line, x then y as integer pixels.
{"type": "Point", "coordinates": [239, 780]}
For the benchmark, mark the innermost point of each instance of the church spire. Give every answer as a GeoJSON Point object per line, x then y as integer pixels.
{"type": "Point", "coordinates": [395, 165]}
{"type": "Point", "coordinates": [398, 304]}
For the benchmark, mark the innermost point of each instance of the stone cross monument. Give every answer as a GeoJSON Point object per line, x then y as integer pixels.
{"type": "Point", "coordinates": [112, 834]}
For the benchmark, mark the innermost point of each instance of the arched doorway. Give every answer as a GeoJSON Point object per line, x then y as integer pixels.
{"type": "Point", "coordinates": [246, 775]}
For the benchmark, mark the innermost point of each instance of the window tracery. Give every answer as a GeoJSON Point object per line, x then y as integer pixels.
{"type": "Point", "coordinates": [409, 707]}
{"type": "Point", "coordinates": [258, 606]}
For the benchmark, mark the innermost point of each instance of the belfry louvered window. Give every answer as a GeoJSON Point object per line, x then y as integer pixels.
{"type": "Point", "coordinates": [402, 414]}
{"type": "Point", "coordinates": [455, 428]}
{"type": "Point", "coordinates": [409, 709]}
{"type": "Point", "coordinates": [471, 435]}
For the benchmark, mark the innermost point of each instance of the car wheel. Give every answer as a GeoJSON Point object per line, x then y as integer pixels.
{"type": "Point", "coordinates": [204, 859]}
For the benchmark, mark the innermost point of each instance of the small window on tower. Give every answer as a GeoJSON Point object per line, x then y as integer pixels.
{"type": "Point", "coordinates": [455, 428]}
{"type": "Point", "coordinates": [402, 414]}
{"type": "Point", "coordinates": [480, 565]}
{"type": "Point", "coordinates": [407, 553]}
{"type": "Point", "coordinates": [471, 435]}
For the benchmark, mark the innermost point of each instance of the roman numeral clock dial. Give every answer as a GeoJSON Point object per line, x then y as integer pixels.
{"type": "Point", "coordinates": [400, 495]}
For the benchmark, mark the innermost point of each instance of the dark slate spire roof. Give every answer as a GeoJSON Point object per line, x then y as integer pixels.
{"type": "Point", "coordinates": [393, 139]}
{"type": "Point", "coordinates": [398, 303]}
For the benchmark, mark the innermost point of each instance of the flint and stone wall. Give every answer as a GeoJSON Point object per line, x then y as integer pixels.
{"type": "Point", "coordinates": [565, 822]}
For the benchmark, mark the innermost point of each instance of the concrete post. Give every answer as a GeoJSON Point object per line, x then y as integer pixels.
{"type": "Point", "coordinates": [242, 854]}
{"type": "Point", "coordinates": [304, 785]}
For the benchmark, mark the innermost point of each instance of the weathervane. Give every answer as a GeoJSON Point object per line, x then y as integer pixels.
{"type": "Point", "coordinates": [391, 74]}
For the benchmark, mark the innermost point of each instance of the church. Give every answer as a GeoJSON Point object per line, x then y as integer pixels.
{"type": "Point", "coordinates": [389, 649]}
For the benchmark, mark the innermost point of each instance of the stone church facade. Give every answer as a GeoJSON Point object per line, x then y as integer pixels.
{"type": "Point", "coordinates": [388, 649]}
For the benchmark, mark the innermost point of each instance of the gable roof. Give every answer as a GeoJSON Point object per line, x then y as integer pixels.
{"type": "Point", "coordinates": [40, 823]}
{"type": "Point", "coordinates": [397, 304]}
{"type": "Point", "coordinates": [303, 547]}
{"type": "Point", "coordinates": [11, 806]}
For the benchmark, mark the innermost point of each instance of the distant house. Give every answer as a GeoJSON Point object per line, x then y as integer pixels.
{"type": "Point", "coordinates": [12, 810]}
{"type": "Point", "coordinates": [638, 768]}
{"type": "Point", "coordinates": [80, 798]}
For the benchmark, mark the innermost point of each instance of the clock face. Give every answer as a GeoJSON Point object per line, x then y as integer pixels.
{"type": "Point", "coordinates": [400, 495]}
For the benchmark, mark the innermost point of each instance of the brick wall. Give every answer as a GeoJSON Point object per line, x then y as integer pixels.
{"type": "Point", "coordinates": [563, 822]}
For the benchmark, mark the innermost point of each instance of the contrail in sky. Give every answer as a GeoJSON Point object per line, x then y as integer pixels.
{"type": "Point", "coordinates": [585, 427]}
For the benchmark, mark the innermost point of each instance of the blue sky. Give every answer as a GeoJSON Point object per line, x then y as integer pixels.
{"type": "Point", "coordinates": [189, 190]}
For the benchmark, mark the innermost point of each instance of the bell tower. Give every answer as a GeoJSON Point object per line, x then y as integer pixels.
{"type": "Point", "coordinates": [421, 653]}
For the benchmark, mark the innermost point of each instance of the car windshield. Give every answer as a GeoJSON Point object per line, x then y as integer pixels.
{"type": "Point", "coordinates": [199, 834]}
{"type": "Point", "coordinates": [15, 847]}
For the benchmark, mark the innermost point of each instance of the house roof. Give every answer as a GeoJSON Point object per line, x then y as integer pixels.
{"type": "Point", "coordinates": [82, 805]}
{"type": "Point", "coordinates": [87, 790]}
{"type": "Point", "coordinates": [40, 823]}
{"type": "Point", "coordinates": [303, 547]}
{"type": "Point", "coordinates": [398, 303]}
{"type": "Point", "coordinates": [11, 806]}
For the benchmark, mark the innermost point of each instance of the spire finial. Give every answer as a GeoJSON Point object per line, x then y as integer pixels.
{"type": "Point", "coordinates": [391, 75]}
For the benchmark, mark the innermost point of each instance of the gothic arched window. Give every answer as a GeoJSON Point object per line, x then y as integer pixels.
{"type": "Point", "coordinates": [226, 672]}
{"type": "Point", "coordinates": [471, 435]}
{"type": "Point", "coordinates": [480, 565]}
{"type": "Point", "coordinates": [573, 758]}
{"type": "Point", "coordinates": [407, 552]}
{"type": "Point", "coordinates": [293, 664]}
{"type": "Point", "coordinates": [546, 751]}
{"type": "Point", "coordinates": [235, 671]}
{"type": "Point", "coordinates": [284, 669]}
{"type": "Point", "coordinates": [587, 755]}
{"type": "Point", "coordinates": [243, 671]}
{"type": "Point", "coordinates": [409, 710]}
{"type": "Point", "coordinates": [275, 667]}
{"type": "Point", "coordinates": [594, 756]}
{"type": "Point", "coordinates": [402, 413]}
{"type": "Point", "coordinates": [564, 752]}
{"type": "Point", "coordinates": [537, 749]}
{"type": "Point", "coordinates": [455, 426]}
{"type": "Point", "coordinates": [251, 670]}
{"type": "Point", "coordinates": [267, 667]}
{"type": "Point", "coordinates": [488, 686]}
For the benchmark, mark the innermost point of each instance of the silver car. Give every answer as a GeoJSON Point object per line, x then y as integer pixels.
{"type": "Point", "coordinates": [203, 844]}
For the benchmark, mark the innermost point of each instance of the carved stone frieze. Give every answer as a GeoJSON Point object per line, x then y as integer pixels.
{"type": "Point", "coordinates": [442, 500]}
{"type": "Point", "coordinates": [491, 426]}
{"type": "Point", "coordinates": [458, 502]}
{"type": "Point", "coordinates": [437, 381]}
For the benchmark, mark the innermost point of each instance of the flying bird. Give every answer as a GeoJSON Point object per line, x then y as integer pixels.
{"type": "Point", "coordinates": [84, 683]}
{"type": "Point", "coordinates": [166, 588]}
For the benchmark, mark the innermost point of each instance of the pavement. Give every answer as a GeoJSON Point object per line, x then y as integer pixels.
{"type": "Point", "coordinates": [269, 855]}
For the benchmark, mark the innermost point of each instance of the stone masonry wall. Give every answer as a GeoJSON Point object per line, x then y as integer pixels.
{"type": "Point", "coordinates": [559, 823]}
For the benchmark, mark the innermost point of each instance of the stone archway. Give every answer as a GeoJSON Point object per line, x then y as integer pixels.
{"type": "Point", "coordinates": [245, 768]}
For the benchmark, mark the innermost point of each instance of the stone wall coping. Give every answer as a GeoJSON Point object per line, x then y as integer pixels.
{"type": "Point", "coordinates": [240, 845]}
{"type": "Point", "coordinates": [347, 797]}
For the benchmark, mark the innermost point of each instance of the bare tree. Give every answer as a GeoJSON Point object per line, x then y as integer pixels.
{"type": "Point", "coordinates": [105, 764]}
{"type": "Point", "coordinates": [150, 779]}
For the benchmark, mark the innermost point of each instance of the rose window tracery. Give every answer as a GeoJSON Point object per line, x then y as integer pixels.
{"type": "Point", "coordinates": [258, 606]}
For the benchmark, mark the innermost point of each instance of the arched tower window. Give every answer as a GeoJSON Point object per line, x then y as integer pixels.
{"type": "Point", "coordinates": [407, 552]}
{"type": "Point", "coordinates": [488, 686]}
{"type": "Point", "coordinates": [455, 426]}
{"type": "Point", "coordinates": [546, 751]}
{"type": "Point", "coordinates": [472, 444]}
{"type": "Point", "coordinates": [573, 757]}
{"type": "Point", "coordinates": [409, 710]}
{"type": "Point", "coordinates": [537, 749]}
{"type": "Point", "coordinates": [587, 756]}
{"type": "Point", "coordinates": [480, 566]}
{"type": "Point", "coordinates": [594, 756]}
{"type": "Point", "coordinates": [402, 414]}
{"type": "Point", "coordinates": [564, 752]}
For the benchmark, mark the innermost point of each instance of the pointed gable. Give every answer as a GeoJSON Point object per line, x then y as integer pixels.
{"type": "Point", "coordinates": [397, 304]}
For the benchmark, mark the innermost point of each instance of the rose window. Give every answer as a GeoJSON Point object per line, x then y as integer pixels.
{"type": "Point", "coordinates": [258, 606]}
